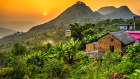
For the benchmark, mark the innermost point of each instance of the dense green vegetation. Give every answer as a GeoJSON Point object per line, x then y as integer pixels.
{"type": "Point", "coordinates": [58, 33]}
{"type": "Point", "coordinates": [66, 59]}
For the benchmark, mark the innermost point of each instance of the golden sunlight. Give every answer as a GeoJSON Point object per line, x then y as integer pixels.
{"type": "Point", "coordinates": [45, 14]}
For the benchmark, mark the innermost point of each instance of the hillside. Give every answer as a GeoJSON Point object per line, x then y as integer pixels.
{"type": "Point", "coordinates": [106, 10]}
{"type": "Point", "coordinates": [5, 32]}
{"type": "Point", "coordinates": [121, 12]}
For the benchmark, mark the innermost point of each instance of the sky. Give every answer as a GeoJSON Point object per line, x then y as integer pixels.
{"type": "Point", "coordinates": [40, 11]}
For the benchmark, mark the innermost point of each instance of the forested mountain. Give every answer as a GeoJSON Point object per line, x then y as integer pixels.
{"type": "Point", "coordinates": [116, 13]}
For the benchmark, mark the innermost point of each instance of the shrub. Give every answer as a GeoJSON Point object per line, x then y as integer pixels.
{"type": "Point", "coordinates": [56, 69]}
{"type": "Point", "coordinates": [135, 75]}
{"type": "Point", "coordinates": [7, 61]}
{"type": "Point", "coordinates": [3, 56]}
{"type": "Point", "coordinates": [5, 72]}
{"type": "Point", "coordinates": [36, 59]}
{"type": "Point", "coordinates": [126, 67]}
{"type": "Point", "coordinates": [19, 49]}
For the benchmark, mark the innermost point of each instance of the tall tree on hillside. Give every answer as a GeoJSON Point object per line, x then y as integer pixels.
{"type": "Point", "coordinates": [89, 31]}
{"type": "Point", "coordinates": [19, 49]}
{"type": "Point", "coordinates": [76, 29]}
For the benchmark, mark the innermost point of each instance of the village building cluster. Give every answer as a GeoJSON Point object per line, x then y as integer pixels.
{"type": "Point", "coordinates": [112, 41]}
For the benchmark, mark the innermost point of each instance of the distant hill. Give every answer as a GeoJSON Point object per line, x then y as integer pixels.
{"type": "Point", "coordinates": [121, 12]}
{"type": "Point", "coordinates": [106, 10]}
{"type": "Point", "coordinates": [5, 32]}
{"type": "Point", "coordinates": [22, 26]}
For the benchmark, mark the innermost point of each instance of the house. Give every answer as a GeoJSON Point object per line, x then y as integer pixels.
{"type": "Point", "coordinates": [67, 33]}
{"type": "Point", "coordinates": [126, 27]}
{"type": "Point", "coordinates": [112, 41]}
{"type": "Point", "coordinates": [92, 50]}
{"type": "Point", "coordinates": [118, 40]}
{"type": "Point", "coordinates": [90, 47]}
{"type": "Point", "coordinates": [135, 34]}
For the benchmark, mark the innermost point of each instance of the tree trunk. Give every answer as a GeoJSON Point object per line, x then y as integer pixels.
{"type": "Point", "coordinates": [69, 58]}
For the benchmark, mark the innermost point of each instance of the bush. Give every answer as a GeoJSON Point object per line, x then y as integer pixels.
{"type": "Point", "coordinates": [126, 67]}
{"type": "Point", "coordinates": [56, 69]}
{"type": "Point", "coordinates": [5, 72]}
{"type": "Point", "coordinates": [36, 59]}
{"type": "Point", "coordinates": [135, 75]}
{"type": "Point", "coordinates": [19, 49]}
{"type": "Point", "coordinates": [7, 61]}
{"type": "Point", "coordinates": [3, 56]}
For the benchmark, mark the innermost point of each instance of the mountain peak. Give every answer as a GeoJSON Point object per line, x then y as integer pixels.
{"type": "Point", "coordinates": [80, 2]}
{"type": "Point", "coordinates": [124, 8]}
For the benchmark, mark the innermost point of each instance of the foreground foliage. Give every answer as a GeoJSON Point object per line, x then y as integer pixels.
{"type": "Point", "coordinates": [65, 61]}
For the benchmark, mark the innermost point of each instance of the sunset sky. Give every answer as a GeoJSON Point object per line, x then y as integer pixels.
{"type": "Point", "coordinates": [44, 10]}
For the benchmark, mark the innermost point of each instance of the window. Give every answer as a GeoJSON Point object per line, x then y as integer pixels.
{"type": "Point", "coordinates": [111, 40]}
{"type": "Point", "coordinates": [130, 28]}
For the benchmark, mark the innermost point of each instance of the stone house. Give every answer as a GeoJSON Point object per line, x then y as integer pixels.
{"type": "Point", "coordinates": [112, 41]}
{"type": "Point", "coordinates": [90, 47]}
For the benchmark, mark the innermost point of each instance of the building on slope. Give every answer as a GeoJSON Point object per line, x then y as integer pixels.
{"type": "Point", "coordinates": [126, 27]}
{"type": "Point", "coordinates": [112, 41]}
{"type": "Point", "coordinates": [135, 34]}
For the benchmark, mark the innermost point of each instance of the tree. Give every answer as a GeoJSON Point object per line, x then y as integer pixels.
{"type": "Point", "coordinates": [89, 31]}
{"type": "Point", "coordinates": [19, 49]}
{"type": "Point", "coordinates": [76, 30]}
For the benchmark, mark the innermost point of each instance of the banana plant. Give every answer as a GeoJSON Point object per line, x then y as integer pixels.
{"type": "Point", "coordinates": [60, 50]}
{"type": "Point", "coordinates": [72, 49]}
